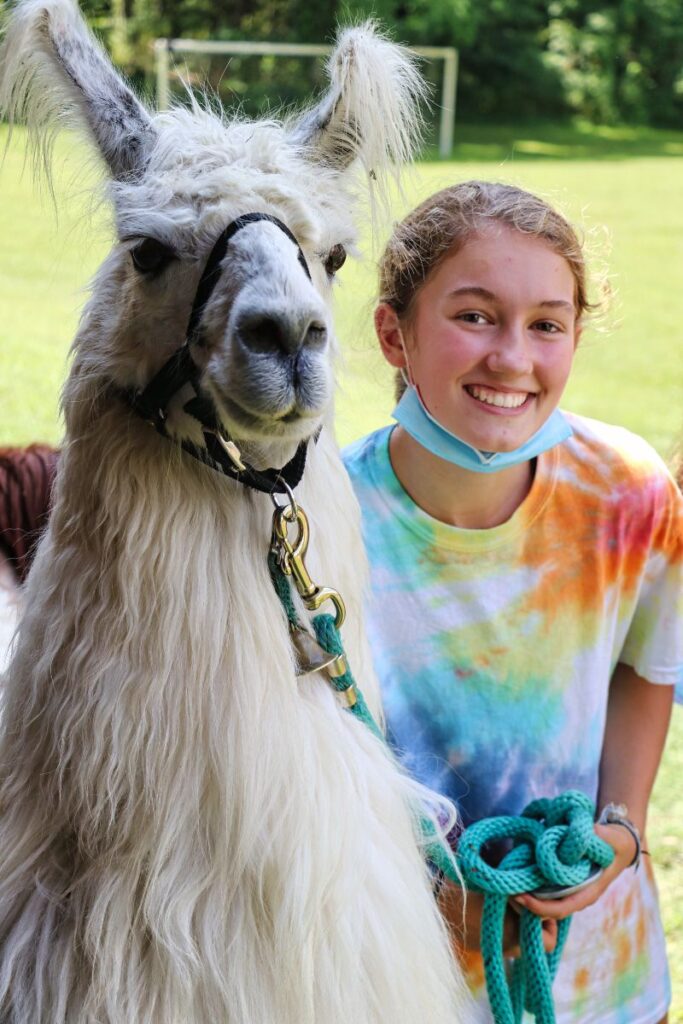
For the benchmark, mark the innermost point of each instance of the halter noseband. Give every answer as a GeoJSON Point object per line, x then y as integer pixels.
{"type": "Point", "coordinates": [152, 401]}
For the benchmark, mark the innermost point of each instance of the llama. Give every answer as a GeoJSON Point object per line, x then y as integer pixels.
{"type": "Point", "coordinates": [190, 833]}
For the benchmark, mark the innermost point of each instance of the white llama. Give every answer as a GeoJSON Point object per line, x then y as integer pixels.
{"type": "Point", "coordinates": [189, 833]}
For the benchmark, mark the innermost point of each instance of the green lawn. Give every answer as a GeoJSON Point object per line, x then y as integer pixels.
{"type": "Point", "coordinates": [666, 846]}
{"type": "Point", "coordinates": [625, 190]}
{"type": "Point", "coordinates": [621, 185]}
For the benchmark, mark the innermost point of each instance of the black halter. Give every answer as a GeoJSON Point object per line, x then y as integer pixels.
{"type": "Point", "coordinates": [151, 402]}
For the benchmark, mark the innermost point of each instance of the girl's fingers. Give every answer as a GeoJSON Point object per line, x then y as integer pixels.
{"type": "Point", "coordinates": [550, 910]}
{"type": "Point", "coordinates": [549, 935]}
{"type": "Point", "coordinates": [623, 845]}
{"type": "Point", "coordinates": [557, 910]}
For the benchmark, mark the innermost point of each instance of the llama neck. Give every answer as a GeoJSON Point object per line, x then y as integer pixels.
{"type": "Point", "coordinates": [174, 776]}
{"type": "Point", "coordinates": [159, 567]}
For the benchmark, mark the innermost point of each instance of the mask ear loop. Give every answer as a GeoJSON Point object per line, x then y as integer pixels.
{"type": "Point", "coordinates": [407, 377]}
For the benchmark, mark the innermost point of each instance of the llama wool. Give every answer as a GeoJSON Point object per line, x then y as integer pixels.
{"type": "Point", "coordinates": [189, 834]}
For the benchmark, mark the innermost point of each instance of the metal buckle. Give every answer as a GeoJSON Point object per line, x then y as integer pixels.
{"type": "Point", "coordinates": [558, 892]}
{"type": "Point", "coordinates": [292, 556]}
{"type": "Point", "coordinates": [290, 495]}
{"type": "Point", "coordinates": [231, 450]}
{"type": "Point", "coordinates": [310, 656]}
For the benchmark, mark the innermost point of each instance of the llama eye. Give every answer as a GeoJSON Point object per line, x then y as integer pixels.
{"type": "Point", "coordinates": [150, 256]}
{"type": "Point", "coordinates": [336, 258]}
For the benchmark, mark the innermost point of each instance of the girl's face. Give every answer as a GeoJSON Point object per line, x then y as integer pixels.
{"type": "Point", "coordinates": [491, 339]}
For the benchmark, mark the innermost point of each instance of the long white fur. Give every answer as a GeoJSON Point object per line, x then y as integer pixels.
{"type": "Point", "coordinates": [373, 108]}
{"type": "Point", "coordinates": [189, 834]}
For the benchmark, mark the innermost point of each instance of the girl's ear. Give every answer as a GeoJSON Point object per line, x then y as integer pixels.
{"type": "Point", "coordinates": [388, 328]}
{"type": "Point", "coordinates": [578, 331]}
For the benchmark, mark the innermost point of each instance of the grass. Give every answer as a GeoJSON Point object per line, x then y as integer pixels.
{"type": "Point", "coordinates": [48, 253]}
{"type": "Point", "coordinates": [629, 180]}
{"type": "Point", "coordinates": [665, 830]}
{"type": "Point", "coordinates": [625, 190]}
{"type": "Point", "coordinates": [569, 140]}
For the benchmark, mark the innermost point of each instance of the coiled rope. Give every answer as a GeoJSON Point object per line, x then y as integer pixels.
{"type": "Point", "coordinates": [554, 844]}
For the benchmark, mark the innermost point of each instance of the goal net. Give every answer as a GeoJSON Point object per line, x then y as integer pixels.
{"type": "Point", "coordinates": [198, 60]}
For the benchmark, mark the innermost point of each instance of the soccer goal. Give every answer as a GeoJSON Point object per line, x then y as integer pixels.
{"type": "Point", "coordinates": [166, 49]}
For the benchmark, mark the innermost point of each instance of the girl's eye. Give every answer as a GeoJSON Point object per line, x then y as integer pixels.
{"type": "Point", "coordinates": [547, 327]}
{"type": "Point", "coordinates": [150, 256]}
{"type": "Point", "coordinates": [472, 318]}
{"type": "Point", "coordinates": [336, 258]}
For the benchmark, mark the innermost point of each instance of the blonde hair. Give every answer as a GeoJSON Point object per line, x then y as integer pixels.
{"type": "Point", "coordinates": [443, 224]}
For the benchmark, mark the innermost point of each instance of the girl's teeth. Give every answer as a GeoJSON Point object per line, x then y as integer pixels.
{"type": "Point", "coordinates": [503, 399]}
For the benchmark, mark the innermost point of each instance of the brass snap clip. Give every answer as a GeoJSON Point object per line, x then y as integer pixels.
{"type": "Point", "coordinates": [292, 555]}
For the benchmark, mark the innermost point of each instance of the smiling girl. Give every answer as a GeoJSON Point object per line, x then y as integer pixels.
{"type": "Point", "coordinates": [525, 608]}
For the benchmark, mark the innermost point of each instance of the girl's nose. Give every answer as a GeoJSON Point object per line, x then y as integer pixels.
{"type": "Point", "coordinates": [511, 354]}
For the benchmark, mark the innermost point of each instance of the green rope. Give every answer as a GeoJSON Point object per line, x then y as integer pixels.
{"type": "Point", "coordinates": [329, 639]}
{"type": "Point", "coordinates": [554, 843]}
{"type": "Point", "coordinates": [282, 589]}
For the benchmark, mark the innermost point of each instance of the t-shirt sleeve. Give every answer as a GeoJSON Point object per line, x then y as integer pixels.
{"type": "Point", "coordinates": [654, 642]}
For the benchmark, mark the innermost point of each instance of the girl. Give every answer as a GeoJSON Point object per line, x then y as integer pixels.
{"type": "Point", "coordinates": [525, 607]}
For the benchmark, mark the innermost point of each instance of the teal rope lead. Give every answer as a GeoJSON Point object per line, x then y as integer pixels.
{"type": "Point", "coordinates": [554, 843]}
{"type": "Point", "coordinates": [329, 639]}
{"type": "Point", "coordinates": [282, 589]}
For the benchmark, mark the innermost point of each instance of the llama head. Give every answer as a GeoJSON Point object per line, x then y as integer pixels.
{"type": "Point", "coordinates": [177, 179]}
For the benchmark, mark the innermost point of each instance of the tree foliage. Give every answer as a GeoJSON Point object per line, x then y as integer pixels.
{"type": "Point", "coordinates": [608, 60]}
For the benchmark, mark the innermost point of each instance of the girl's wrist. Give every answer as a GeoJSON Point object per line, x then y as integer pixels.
{"type": "Point", "coordinates": [617, 814]}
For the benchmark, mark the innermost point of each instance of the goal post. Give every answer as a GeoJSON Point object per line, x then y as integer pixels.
{"type": "Point", "coordinates": [164, 49]}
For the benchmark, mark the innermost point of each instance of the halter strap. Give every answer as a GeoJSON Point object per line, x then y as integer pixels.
{"type": "Point", "coordinates": [152, 401]}
{"type": "Point", "coordinates": [212, 268]}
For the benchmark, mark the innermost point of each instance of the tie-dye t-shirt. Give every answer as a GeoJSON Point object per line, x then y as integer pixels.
{"type": "Point", "coordinates": [495, 649]}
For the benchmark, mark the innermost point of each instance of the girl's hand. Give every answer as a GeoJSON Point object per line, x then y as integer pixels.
{"type": "Point", "coordinates": [465, 926]}
{"type": "Point", "coordinates": [623, 844]}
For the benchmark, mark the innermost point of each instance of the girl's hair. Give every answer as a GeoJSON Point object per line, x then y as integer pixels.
{"type": "Point", "coordinates": [677, 466]}
{"type": "Point", "coordinates": [443, 224]}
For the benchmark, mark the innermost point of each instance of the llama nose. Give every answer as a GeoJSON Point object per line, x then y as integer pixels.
{"type": "Point", "coordinates": [275, 332]}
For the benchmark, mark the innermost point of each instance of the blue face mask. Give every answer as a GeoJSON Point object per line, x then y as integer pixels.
{"type": "Point", "coordinates": [421, 425]}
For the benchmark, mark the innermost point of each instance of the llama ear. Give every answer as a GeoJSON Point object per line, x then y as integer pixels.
{"type": "Point", "coordinates": [372, 109]}
{"type": "Point", "coordinates": [53, 72]}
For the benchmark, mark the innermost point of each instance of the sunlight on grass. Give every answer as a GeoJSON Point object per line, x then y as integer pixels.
{"type": "Point", "coordinates": [665, 837]}
{"type": "Point", "coordinates": [49, 252]}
